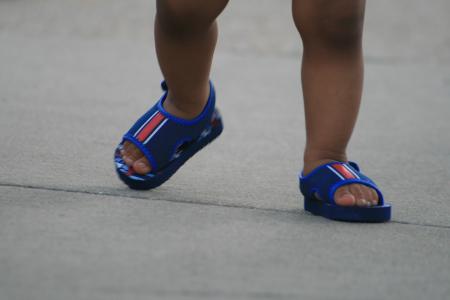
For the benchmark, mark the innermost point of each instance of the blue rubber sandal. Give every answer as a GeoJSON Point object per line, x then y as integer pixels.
{"type": "Point", "coordinates": [323, 182]}
{"type": "Point", "coordinates": [167, 141]}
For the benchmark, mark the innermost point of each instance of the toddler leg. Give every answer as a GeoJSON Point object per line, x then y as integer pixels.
{"type": "Point", "coordinates": [185, 38]}
{"type": "Point", "coordinates": [332, 78]}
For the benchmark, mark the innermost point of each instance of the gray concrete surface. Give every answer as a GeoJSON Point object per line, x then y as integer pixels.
{"type": "Point", "coordinates": [229, 225]}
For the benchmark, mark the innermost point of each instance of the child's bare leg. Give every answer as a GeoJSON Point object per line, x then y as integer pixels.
{"type": "Point", "coordinates": [185, 38]}
{"type": "Point", "coordinates": [332, 78]}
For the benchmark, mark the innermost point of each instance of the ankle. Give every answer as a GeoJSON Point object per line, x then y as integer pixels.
{"type": "Point", "coordinates": [315, 158]}
{"type": "Point", "coordinates": [188, 109]}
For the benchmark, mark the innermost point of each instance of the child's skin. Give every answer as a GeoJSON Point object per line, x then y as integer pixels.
{"type": "Point", "coordinates": [332, 74]}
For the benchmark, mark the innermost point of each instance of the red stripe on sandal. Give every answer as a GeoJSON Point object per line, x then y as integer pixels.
{"type": "Point", "coordinates": [147, 130]}
{"type": "Point", "coordinates": [343, 171]}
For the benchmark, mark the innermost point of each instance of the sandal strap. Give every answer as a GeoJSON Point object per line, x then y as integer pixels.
{"type": "Point", "coordinates": [326, 179]}
{"type": "Point", "coordinates": [159, 135]}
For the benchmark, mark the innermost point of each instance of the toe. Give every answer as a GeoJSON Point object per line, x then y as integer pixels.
{"type": "Point", "coordinates": [128, 161]}
{"type": "Point", "coordinates": [134, 152]}
{"type": "Point", "coordinates": [358, 192]}
{"type": "Point", "coordinates": [133, 157]}
{"type": "Point", "coordinates": [126, 156]}
{"type": "Point", "coordinates": [368, 195]}
{"type": "Point", "coordinates": [344, 196]}
{"type": "Point", "coordinates": [126, 146]}
{"type": "Point", "coordinates": [130, 153]}
{"type": "Point", "coordinates": [141, 166]}
{"type": "Point", "coordinates": [373, 196]}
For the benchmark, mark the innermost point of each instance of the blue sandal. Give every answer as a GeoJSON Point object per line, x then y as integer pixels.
{"type": "Point", "coordinates": [167, 141]}
{"type": "Point", "coordinates": [326, 179]}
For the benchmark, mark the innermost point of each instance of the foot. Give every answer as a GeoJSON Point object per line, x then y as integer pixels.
{"type": "Point", "coordinates": [347, 195]}
{"type": "Point", "coordinates": [134, 158]}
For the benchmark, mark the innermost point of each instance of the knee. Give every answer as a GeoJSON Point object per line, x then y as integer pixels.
{"type": "Point", "coordinates": [180, 17]}
{"type": "Point", "coordinates": [342, 30]}
{"type": "Point", "coordinates": [338, 31]}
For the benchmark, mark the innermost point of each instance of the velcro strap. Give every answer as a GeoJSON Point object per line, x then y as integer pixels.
{"type": "Point", "coordinates": [158, 134]}
{"type": "Point", "coordinates": [326, 179]}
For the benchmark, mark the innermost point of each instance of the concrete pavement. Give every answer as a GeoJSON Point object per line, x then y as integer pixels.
{"type": "Point", "coordinates": [229, 225]}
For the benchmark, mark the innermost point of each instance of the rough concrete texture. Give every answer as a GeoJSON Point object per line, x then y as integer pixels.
{"type": "Point", "coordinates": [229, 225]}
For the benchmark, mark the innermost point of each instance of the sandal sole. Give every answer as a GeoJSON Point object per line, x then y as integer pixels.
{"type": "Point", "coordinates": [374, 214]}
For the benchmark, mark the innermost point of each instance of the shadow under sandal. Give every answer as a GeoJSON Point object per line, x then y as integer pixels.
{"type": "Point", "coordinates": [167, 141]}
{"type": "Point", "coordinates": [319, 188]}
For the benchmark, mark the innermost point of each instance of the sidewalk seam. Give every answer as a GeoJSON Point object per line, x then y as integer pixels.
{"type": "Point", "coordinates": [99, 193]}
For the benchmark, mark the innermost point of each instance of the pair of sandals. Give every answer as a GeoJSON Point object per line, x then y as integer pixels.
{"type": "Point", "coordinates": [168, 142]}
